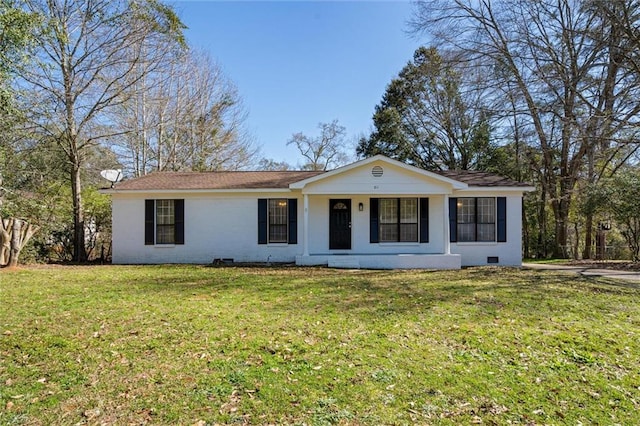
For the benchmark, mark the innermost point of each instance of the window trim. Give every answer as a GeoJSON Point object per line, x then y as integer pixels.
{"type": "Point", "coordinates": [291, 216]}
{"type": "Point", "coordinates": [423, 222]}
{"type": "Point", "coordinates": [476, 220]}
{"type": "Point", "coordinates": [152, 226]}
{"type": "Point", "coordinates": [398, 223]}
{"type": "Point", "coordinates": [271, 225]}
{"type": "Point", "coordinates": [161, 204]}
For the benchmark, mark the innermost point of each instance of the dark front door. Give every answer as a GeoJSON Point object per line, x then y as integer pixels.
{"type": "Point", "coordinates": [340, 224]}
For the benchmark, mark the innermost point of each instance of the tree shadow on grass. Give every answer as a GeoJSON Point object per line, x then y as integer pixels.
{"type": "Point", "coordinates": [381, 293]}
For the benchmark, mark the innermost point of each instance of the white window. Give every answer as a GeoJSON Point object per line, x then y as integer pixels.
{"type": "Point", "coordinates": [476, 219]}
{"type": "Point", "coordinates": [398, 219]}
{"type": "Point", "coordinates": [165, 222]}
{"type": "Point", "coordinates": [278, 214]}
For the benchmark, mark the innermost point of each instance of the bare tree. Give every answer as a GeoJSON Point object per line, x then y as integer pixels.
{"type": "Point", "coordinates": [269, 164]}
{"type": "Point", "coordinates": [325, 151]}
{"type": "Point", "coordinates": [188, 116]}
{"type": "Point", "coordinates": [567, 65]}
{"type": "Point", "coordinates": [90, 55]}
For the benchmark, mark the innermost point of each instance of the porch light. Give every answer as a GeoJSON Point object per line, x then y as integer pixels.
{"type": "Point", "coordinates": [360, 206]}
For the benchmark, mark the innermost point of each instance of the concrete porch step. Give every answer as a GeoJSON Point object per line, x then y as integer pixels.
{"type": "Point", "coordinates": [346, 262]}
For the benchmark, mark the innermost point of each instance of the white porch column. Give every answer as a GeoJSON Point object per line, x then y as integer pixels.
{"type": "Point", "coordinates": [305, 224]}
{"type": "Point", "coordinates": [447, 237]}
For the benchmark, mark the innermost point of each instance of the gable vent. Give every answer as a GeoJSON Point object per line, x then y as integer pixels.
{"type": "Point", "coordinates": [377, 171]}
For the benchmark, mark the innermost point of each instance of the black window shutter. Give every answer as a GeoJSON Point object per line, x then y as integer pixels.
{"type": "Point", "coordinates": [149, 222]}
{"type": "Point", "coordinates": [262, 221]}
{"type": "Point", "coordinates": [502, 219]}
{"type": "Point", "coordinates": [293, 220]}
{"type": "Point", "coordinates": [424, 220]}
{"type": "Point", "coordinates": [453, 220]}
{"type": "Point", "coordinates": [373, 220]}
{"type": "Point", "coordinates": [178, 206]}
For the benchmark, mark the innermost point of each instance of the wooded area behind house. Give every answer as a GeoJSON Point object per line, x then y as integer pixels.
{"type": "Point", "coordinates": [543, 92]}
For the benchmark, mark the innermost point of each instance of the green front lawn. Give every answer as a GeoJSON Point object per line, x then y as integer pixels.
{"type": "Point", "coordinates": [190, 344]}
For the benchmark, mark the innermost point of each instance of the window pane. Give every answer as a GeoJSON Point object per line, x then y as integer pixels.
{"type": "Point", "coordinates": [388, 232]}
{"type": "Point", "coordinates": [165, 222]}
{"type": "Point", "coordinates": [486, 210]}
{"type": "Point", "coordinates": [486, 219]}
{"type": "Point", "coordinates": [389, 210]}
{"type": "Point", "coordinates": [486, 232]}
{"type": "Point", "coordinates": [466, 210]}
{"type": "Point", "coordinates": [278, 220]}
{"type": "Point", "coordinates": [164, 212]}
{"type": "Point", "coordinates": [408, 210]}
{"type": "Point", "coordinates": [466, 232]}
{"type": "Point", "coordinates": [278, 234]}
{"type": "Point", "coordinates": [165, 234]}
{"type": "Point", "coordinates": [409, 232]}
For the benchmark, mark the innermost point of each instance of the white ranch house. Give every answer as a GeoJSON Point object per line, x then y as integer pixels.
{"type": "Point", "coordinates": [374, 213]}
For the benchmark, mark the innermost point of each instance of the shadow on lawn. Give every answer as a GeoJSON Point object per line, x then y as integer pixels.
{"type": "Point", "coordinates": [288, 289]}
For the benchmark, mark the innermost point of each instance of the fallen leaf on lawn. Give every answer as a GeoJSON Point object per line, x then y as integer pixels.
{"type": "Point", "coordinates": [42, 380]}
{"type": "Point", "coordinates": [91, 414]}
{"type": "Point", "coordinates": [9, 405]}
{"type": "Point", "coordinates": [7, 333]}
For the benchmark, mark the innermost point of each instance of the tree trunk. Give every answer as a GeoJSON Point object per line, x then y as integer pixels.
{"type": "Point", "coordinates": [576, 246]}
{"type": "Point", "coordinates": [5, 241]}
{"type": "Point", "coordinates": [588, 236]}
{"type": "Point", "coordinates": [561, 205]}
{"type": "Point", "coordinates": [14, 252]}
{"type": "Point", "coordinates": [14, 235]}
{"type": "Point", "coordinates": [79, 250]}
{"type": "Point", "coordinates": [541, 251]}
{"type": "Point", "coordinates": [561, 214]}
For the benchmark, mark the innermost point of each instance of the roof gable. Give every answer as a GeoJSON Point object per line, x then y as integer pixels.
{"type": "Point", "coordinates": [381, 161]}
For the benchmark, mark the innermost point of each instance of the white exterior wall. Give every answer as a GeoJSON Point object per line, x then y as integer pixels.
{"type": "Point", "coordinates": [224, 224]}
{"type": "Point", "coordinates": [319, 229]}
{"type": "Point", "coordinates": [508, 253]}
{"type": "Point", "coordinates": [216, 226]}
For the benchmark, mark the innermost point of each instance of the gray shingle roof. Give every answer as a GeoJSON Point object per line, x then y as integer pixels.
{"type": "Point", "coordinates": [276, 180]}
{"type": "Point", "coordinates": [215, 180]}
{"type": "Point", "coordinates": [482, 179]}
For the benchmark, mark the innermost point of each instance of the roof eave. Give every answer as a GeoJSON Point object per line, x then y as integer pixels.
{"type": "Point", "coordinates": [499, 189]}
{"type": "Point", "coordinates": [194, 191]}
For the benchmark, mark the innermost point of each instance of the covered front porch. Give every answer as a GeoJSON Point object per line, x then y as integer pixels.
{"type": "Point", "coordinates": [383, 261]}
{"type": "Point", "coordinates": [377, 214]}
{"type": "Point", "coordinates": [337, 232]}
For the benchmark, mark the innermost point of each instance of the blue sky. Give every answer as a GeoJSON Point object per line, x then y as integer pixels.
{"type": "Point", "coordinates": [298, 63]}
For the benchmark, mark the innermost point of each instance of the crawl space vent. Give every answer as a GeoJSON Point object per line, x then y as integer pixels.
{"type": "Point", "coordinates": [493, 259]}
{"type": "Point", "coordinates": [377, 171]}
